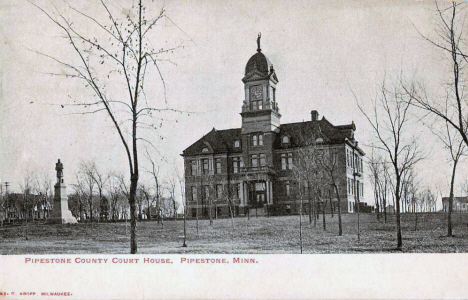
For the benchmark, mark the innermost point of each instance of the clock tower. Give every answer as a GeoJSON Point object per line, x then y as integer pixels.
{"type": "Point", "coordinates": [260, 112]}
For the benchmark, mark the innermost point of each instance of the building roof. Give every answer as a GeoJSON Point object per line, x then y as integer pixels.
{"type": "Point", "coordinates": [456, 199]}
{"type": "Point", "coordinates": [216, 141]}
{"type": "Point", "coordinates": [307, 133]}
{"type": "Point", "coordinates": [300, 134]}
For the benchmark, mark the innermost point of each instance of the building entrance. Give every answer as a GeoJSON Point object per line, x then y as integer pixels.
{"type": "Point", "coordinates": [257, 194]}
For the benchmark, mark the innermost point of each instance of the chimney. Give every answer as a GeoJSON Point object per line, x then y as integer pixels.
{"type": "Point", "coordinates": [314, 115]}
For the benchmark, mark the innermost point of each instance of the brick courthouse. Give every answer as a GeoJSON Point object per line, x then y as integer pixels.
{"type": "Point", "coordinates": [252, 166]}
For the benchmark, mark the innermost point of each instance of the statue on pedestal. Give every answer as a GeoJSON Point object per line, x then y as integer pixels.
{"type": "Point", "coordinates": [60, 213]}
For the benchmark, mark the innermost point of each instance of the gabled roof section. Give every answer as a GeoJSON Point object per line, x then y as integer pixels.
{"type": "Point", "coordinates": [220, 141]}
{"type": "Point", "coordinates": [306, 133]}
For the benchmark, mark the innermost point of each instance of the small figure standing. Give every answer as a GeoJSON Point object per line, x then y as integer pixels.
{"type": "Point", "coordinates": [258, 42]}
{"type": "Point", "coordinates": [59, 169]}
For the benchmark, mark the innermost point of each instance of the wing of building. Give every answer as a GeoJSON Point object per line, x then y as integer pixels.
{"type": "Point", "coordinates": [269, 165]}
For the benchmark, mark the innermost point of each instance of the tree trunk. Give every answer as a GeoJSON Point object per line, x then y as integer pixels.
{"type": "Point", "coordinates": [209, 213]}
{"type": "Point", "coordinates": [300, 219]}
{"type": "Point", "coordinates": [315, 208]}
{"type": "Point", "coordinates": [416, 222]}
{"type": "Point", "coordinates": [133, 233]}
{"type": "Point", "coordinates": [185, 228]}
{"type": "Point", "coordinates": [398, 221]}
{"type": "Point", "coordinates": [323, 214]}
{"type": "Point", "coordinates": [452, 182]}
{"type": "Point", "coordinates": [198, 232]}
{"type": "Point", "coordinates": [340, 228]}
{"type": "Point", "coordinates": [232, 214]}
{"type": "Point", "coordinates": [385, 208]}
{"type": "Point", "coordinates": [310, 203]}
{"type": "Point", "coordinates": [377, 207]}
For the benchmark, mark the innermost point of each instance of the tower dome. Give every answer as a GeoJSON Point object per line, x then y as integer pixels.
{"type": "Point", "coordinates": [260, 62]}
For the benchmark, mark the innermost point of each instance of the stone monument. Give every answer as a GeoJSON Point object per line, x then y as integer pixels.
{"type": "Point", "coordinates": [61, 214]}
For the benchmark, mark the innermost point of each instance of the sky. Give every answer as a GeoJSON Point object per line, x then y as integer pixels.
{"type": "Point", "coordinates": [322, 51]}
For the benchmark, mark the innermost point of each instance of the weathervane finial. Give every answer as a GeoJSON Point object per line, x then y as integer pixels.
{"type": "Point", "coordinates": [258, 42]}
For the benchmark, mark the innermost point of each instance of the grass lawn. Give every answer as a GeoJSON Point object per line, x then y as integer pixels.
{"type": "Point", "coordinates": [257, 235]}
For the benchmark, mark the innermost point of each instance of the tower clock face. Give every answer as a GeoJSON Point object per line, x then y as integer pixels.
{"type": "Point", "coordinates": [256, 92]}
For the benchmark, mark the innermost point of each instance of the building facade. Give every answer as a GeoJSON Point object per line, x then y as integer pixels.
{"type": "Point", "coordinates": [267, 165]}
{"type": "Point", "coordinates": [460, 204]}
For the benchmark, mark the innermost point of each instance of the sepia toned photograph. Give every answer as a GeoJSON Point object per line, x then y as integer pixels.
{"type": "Point", "coordinates": [179, 127]}
{"type": "Point", "coordinates": [212, 132]}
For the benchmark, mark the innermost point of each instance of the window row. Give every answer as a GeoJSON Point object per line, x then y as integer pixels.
{"type": "Point", "coordinates": [205, 167]}
{"type": "Point", "coordinates": [353, 160]}
{"type": "Point", "coordinates": [256, 160]}
{"type": "Point", "coordinates": [218, 191]}
{"type": "Point", "coordinates": [355, 185]}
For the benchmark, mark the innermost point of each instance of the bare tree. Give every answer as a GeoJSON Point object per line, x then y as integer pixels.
{"type": "Point", "coordinates": [389, 120]}
{"type": "Point", "coordinates": [375, 167]}
{"type": "Point", "coordinates": [86, 169]}
{"type": "Point", "coordinates": [328, 159]}
{"type": "Point", "coordinates": [80, 191]}
{"type": "Point", "coordinates": [451, 40]}
{"type": "Point", "coordinates": [153, 170]}
{"type": "Point", "coordinates": [171, 186]}
{"type": "Point", "coordinates": [457, 148]}
{"type": "Point", "coordinates": [181, 181]}
{"type": "Point", "coordinates": [145, 194]}
{"type": "Point", "coordinates": [114, 63]}
{"type": "Point", "coordinates": [28, 198]}
{"type": "Point", "coordinates": [115, 194]}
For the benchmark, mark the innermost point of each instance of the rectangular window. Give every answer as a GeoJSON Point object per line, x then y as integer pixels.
{"type": "Point", "coordinates": [256, 105]}
{"type": "Point", "coordinates": [205, 166]}
{"type": "Point", "coordinates": [286, 161]}
{"type": "Point", "coordinates": [218, 166]}
{"type": "Point", "coordinates": [237, 190]}
{"type": "Point", "coordinates": [193, 167]}
{"type": "Point", "coordinates": [219, 190]}
{"type": "Point", "coordinates": [194, 193]}
{"type": "Point", "coordinates": [206, 192]}
{"type": "Point", "coordinates": [334, 157]}
{"type": "Point", "coordinates": [235, 164]}
{"type": "Point", "coordinates": [254, 160]}
{"type": "Point", "coordinates": [257, 140]}
{"type": "Point", "coordinates": [287, 189]}
{"type": "Point", "coordinates": [254, 140]}
{"type": "Point", "coordinates": [262, 160]}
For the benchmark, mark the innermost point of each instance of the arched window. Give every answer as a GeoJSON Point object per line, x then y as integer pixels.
{"type": "Point", "coordinates": [319, 141]}
{"type": "Point", "coordinates": [236, 144]}
{"type": "Point", "coordinates": [205, 150]}
{"type": "Point", "coordinates": [285, 139]}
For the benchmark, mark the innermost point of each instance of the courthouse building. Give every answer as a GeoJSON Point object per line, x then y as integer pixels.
{"type": "Point", "coordinates": [230, 171]}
